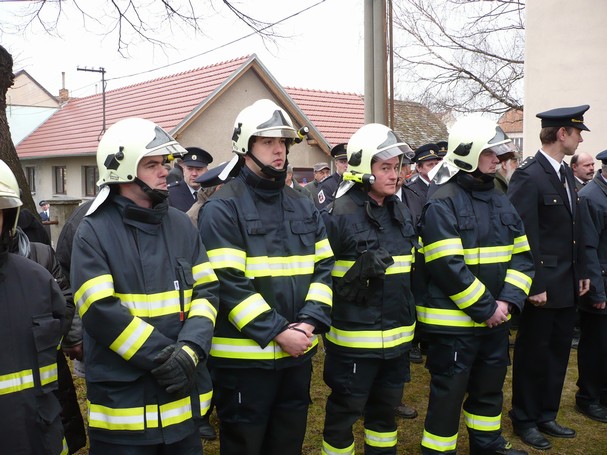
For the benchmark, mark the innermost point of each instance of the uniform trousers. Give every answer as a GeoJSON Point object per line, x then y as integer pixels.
{"type": "Point", "coordinates": [592, 358]}
{"type": "Point", "coordinates": [475, 365]}
{"type": "Point", "coordinates": [541, 355]}
{"type": "Point", "coordinates": [262, 411]}
{"type": "Point", "coordinates": [371, 387]}
{"type": "Point", "coordinates": [192, 445]}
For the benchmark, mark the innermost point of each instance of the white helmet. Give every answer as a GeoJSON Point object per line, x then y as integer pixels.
{"type": "Point", "coordinates": [469, 136]}
{"type": "Point", "coordinates": [374, 141]}
{"type": "Point", "coordinates": [9, 195]}
{"type": "Point", "coordinates": [125, 143]}
{"type": "Point", "coordinates": [262, 118]}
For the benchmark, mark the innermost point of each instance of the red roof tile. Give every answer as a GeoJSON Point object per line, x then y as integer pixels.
{"type": "Point", "coordinates": [75, 128]}
{"type": "Point", "coordinates": [336, 115]}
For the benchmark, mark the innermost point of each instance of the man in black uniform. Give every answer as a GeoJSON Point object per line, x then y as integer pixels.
{"type": "Point", "coordinates": [33, 311]}
{"type": "Point", "coordinates": [542, 190]}
{"type": "Point", "coordinates": [328, 187]}
{"type": "Point", "coordinates": [268, 246]}
{"type": "Point", "coordinates": [184, 193]}
{"type": "Point", "coordinates": [373, 238]}
{"type": "Point", "coordinates": [480, 268]}
{"type": "Point", "coordinates": [591, 398]}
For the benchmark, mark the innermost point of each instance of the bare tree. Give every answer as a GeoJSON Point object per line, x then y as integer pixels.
{"type": "Point", "coordinates": [460, 55]}
{"type": "Point", "coordinates": [124, 20]}
{"type": "Point", "coordinates": [7, 149]}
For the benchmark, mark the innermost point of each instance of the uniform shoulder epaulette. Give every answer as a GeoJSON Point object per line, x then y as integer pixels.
{"type": "Point", "coordinates": [172, 184]}
{"type": "Point", "coordinates": [527, 162]}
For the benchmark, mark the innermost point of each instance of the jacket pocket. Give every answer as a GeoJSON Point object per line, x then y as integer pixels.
{"type": "Point", "coordinates": [549, 260]}
{"type": "Point", "coordinates": [47, 333]}
{"type": "Point", "coordinates": [306, 230]}
{"type": "Point", "coordinates": [553, 199]}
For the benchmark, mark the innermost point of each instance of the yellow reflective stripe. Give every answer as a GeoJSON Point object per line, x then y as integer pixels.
{"type": "Point", "coordinates": [176, 412]}
{"type": "Point", "coordinates": [131, 419]}
{"type": "Point", "coordinates": [154, 305]}
{"type": "Point", "coordinates": [151, 416]}
{"type": "Point", "coordinates": [328, 449]}
{"type": "Point", "coordinates": [402, 264]}
{"type": "Point", "coordinates": [203, 308]}
{"type": "Point", "coordinates": [205, 402]}
{"type": "Point", "coordinates": [521, 244]}
{"type": "Point", "coordinates": [322, 250]}
{"type": "Point", "coordinates": [48, 374]}
{"type": "Point", "coordinates": [94, 289]}
{"type": "Point", "coordinates": [340, 268]}
{"type": "Point", "coordinates": [518, 279]}
{"type": "Point", "coordinates": [446, 318]}
{"type": "Point", "coordinates": [17, 381]}
{"type": "Point", "coordinates": [371, 339]}
{"type": "Point", "coordinates": [439, 443]}
{"type": "Point", "coordinates": [64, 447]}
{"type": "Point", "coordinates": [442, 248]}
{"type": "Point", "coordinates": [262, 266]}
{"type": "Point", "coordinates": [247, 310]}
{"type": "Point", "coordinates": [203, 274]}
{"type": "Point", "coordinates": [222, 258]}
{"type": "Point", "coordinates": [470, 295]}
{"type": "Point", "coordinates": [488, 255]}
{"type": "Point", "coordinates": [380, 439]}
{"type": "Point", "coordinates": [482, 423]}
{"type": "Point", "coordinates": [321, 293]}
{"type": "Point", "coordinates": [132, 338]}
{"type": "Point", "coordinates": [237, 348]}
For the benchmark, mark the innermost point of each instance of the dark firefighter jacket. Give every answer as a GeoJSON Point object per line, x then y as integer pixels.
{"type": "Point", "coordinates": [476, 252]}
{"type": "Point", "coordinates": [142, 282]}
{"type": "Point", "coordinates": [593, 205]}
{"type": "Point", "coordinates": [30, 331]}
{"type": "Point", "coordinates": [382, 322]}
{"type": "Point", "coordinates": [268, 246]}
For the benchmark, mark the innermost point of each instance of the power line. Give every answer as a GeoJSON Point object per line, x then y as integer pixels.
{"type": "Point", "coordinates": [222, 45]}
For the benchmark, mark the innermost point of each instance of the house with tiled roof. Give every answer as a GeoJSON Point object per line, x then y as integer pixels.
{"type": "Point", "coordinates": [512, 124]}
{"type": "Point", "coordinates": [28, 105]}
{"type": "Point", "coordinates": [198, 108]}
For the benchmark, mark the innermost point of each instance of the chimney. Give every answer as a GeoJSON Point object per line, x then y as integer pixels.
{"type": "Point", "coordinates": [64, 94]}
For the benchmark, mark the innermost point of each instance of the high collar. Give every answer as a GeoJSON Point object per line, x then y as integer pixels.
{"type": "Point", "coordinates": [146, 219]}
{"type": "Point", "coordinates": [262, 184]}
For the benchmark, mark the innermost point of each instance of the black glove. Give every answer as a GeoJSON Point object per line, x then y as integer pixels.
{"type": "Point", "coordinates": [354, 286]}
{"type": "Point", "coordinates": [177, 372]}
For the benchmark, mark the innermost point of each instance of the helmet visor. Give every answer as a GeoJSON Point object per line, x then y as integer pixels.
{"type": "Point", "coordinates": [500, 143]}
{"type": "Point", "coordinates": [286, 132]}
{"type": "Point", "coordinates": [391, 147]}
{"type": "Point", "coordinates": [276, 126]}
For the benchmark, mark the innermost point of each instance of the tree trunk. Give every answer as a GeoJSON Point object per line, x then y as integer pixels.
{"type": "Point", "coordinates": [8, 154]}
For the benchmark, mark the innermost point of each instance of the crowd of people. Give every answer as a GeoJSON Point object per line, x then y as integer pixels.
{"type": "Point", "coordinates": [193, 289]}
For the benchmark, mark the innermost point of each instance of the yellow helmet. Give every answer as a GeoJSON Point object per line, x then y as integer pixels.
{"type": "Point", "coordinates": [125, 143]}
{"type": "Point", "coordinates": [469, 136]}
{"type": "Point", "coordinates": [262, 118]}
{"type": "Point", "coordinates": [9, 195]}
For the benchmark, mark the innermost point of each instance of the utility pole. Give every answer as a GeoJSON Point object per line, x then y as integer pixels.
{"type": "Point", "coordinates": [102, 71]}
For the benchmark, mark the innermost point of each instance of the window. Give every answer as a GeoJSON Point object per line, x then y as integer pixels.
{"type": "Point", "coordinates": [91, 175]}
{"type": "Point", "coordinates": [59, 174]}
{"type": "Point", "coordinates": [518, 142]}
{"type": "Point", "coordinates": [30, 175]}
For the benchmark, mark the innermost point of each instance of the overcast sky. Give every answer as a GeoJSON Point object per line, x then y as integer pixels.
{"type": "Point", "coordinates": [323, 50]}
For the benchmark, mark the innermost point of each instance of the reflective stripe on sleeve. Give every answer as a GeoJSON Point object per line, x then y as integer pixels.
{"type": "Point", "coordinates": [247, 310]}
{"type": "Point", "coordinates": [322, 250]}
{"type": "Point", "coordinates": [321, 293]}
{"type": "Point", "coordinates": [132, 338]}
{"type": "Point", "coordinates": [222, 258]}
{"type": "Point", "coordinates": [521, 244]}
{"type": "Point", "coordinates": [203, 274]}
{"type": "Point", "coordinates": [518, 279]}
{"type": "Point", "coordinates": [15, 382]}
{"type": "Point", "coordinates": [94, 289]}
{"type": "Point", "coordinates": [470, 295]}
{"type": "Point", "coordinates": [203, 308]}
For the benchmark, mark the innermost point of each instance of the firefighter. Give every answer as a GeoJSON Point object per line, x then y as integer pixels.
{"type": "Point", "coordinates": [373, 319]}
{"type": "Point", "coordinates": [146, 294]}
{"type": "Point", "coordinates": [480, 268]}
{"type": "Point", "coordinates": [268, 246]}
{"type": "Point", "coordinates": [33, 310]}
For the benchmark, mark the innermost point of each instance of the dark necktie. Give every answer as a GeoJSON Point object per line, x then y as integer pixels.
{"type": "Point", "coordinates": [563, 180]}
{"type": "Point", "coordinates": [195, 194]}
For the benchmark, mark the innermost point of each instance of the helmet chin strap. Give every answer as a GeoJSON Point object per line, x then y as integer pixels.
{"type": "Point", "coordinates": [268, 170]}
{"type": "Point", "coordinates": [482, 176]}
{"type": "Point", "coordinates": [156, 196]}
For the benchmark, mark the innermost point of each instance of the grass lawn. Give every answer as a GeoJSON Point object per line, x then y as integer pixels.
{"type": "Point", "coordinates": [591, 436]}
